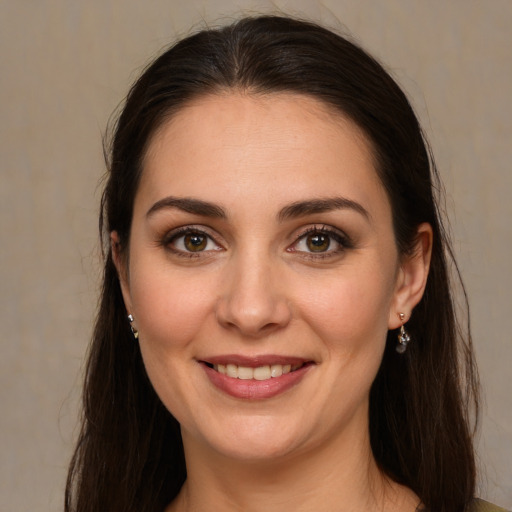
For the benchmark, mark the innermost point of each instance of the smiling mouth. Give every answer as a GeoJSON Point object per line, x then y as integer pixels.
{"type": "Point", "coordinates": [264, 372]}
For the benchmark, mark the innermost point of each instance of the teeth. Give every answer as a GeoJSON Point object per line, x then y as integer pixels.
{"type": "Point", "coordinates": [262, 373]}
{"type": "Point", "coordinates": [259, 373]}
{"type": "Point", "coordinates": [232, 370]}
{"type": "Point", "coordinates": [245, 373]}
{"type": "Point", "coordinates": [276, 370]}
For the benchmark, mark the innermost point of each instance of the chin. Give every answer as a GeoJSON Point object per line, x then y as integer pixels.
{"type": "Point", "coordinates": [258, 450]}
{"type": "Point", "coordinates": [254, 440]}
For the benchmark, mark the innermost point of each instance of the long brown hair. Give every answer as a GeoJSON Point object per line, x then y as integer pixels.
{"type": "Point", "coordinates": [129, 455]}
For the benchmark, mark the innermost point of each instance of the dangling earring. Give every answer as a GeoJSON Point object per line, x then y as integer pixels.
{"type": "Point", "coordinates": [134, 331]}
{"type": "Point", "coordinates": [403, 337]}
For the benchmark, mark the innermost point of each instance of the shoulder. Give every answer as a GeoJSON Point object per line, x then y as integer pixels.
{"type": "Point", "coordinates": [485, 506]}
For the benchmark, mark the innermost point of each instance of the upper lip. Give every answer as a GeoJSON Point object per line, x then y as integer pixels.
{"type": "Point", "coordinates": [254, 361]}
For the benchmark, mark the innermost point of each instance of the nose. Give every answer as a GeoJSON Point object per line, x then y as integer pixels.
{"type": "Point", "coordinates": [253, 301]}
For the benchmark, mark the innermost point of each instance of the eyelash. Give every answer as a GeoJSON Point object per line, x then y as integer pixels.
{"type": "Point", "coordinates": [343, 241]}
{"type": "Point", "coordinates": [335, 235]}
{"type": "Point", "coordinates": [178, 233]}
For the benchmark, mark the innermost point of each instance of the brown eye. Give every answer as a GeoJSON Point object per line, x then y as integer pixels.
{"type": "Point", "coordinates": [189, 241]}
{"type": "Point", "coordinates": [195, 242]}
{"type": "Point", "coordinates": [321, 242]}
{"type": "Point", "coordinates": [318, 242]}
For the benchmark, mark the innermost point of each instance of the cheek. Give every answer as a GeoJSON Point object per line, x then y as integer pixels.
{"type": "Point", "coordinates": [171, 311]}
{"type": "Point", "coordinates": [170, 307]}
{"type": "Point", "coordinates": [351, 311]}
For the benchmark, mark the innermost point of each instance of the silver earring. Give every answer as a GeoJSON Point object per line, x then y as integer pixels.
{"type": "Point", "coordinates": [403, 337]}
{"type": "Point", "coordinates": [134, 331]}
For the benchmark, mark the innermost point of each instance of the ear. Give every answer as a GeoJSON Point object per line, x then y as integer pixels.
{"type": "Point", "coordinates": [412, 277]}
{"type": "Point", "coordinates": [122, 271]}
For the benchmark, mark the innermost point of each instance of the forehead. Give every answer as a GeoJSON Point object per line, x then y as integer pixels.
{"type": "Point", "coordinates": [249, 118]}
{"type": "Point", "coordinates": [221, 146]}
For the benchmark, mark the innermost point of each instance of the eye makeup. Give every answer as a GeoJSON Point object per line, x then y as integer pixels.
{"type": "Point", "coordinates": [320, 242]}
{"type": "Point", "coordinates": [190, 242]}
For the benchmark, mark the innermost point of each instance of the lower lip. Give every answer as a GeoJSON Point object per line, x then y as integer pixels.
{"type": "Point", "coordinates": [253, 389]}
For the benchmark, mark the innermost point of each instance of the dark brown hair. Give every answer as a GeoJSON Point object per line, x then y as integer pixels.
{"type": "Point", "coordinates": [129, 455]}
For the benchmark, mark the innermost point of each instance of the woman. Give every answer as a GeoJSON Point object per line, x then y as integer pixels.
{"type": "Point", "coordinates": [276, 329]}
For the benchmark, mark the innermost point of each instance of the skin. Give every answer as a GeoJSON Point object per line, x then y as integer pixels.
{"type": "Point", "coordinates": [257, 288]}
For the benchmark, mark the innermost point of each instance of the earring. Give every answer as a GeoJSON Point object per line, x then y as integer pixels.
{"type": "Point", "coordinates": [403, 337]}
{"type": "Point", "coordinates": [134, 331]}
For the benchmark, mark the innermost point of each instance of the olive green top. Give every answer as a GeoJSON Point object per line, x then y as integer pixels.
{"type": "Point", "coordinates": [485, 506]}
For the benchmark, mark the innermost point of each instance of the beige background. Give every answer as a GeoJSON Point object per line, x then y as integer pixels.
{"type": "Point", "coordinates": [65, 65]}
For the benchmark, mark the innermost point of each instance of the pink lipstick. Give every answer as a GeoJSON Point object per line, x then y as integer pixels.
{"type": "Point", "coordinates": [255, 377]}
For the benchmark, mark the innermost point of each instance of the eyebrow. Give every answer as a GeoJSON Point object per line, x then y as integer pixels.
{"type": "Point", "coordinates": [189, 205]}
{"type": "Point", "coordinates": [291, 211]}
{"type": "Point", "coordinates": [309, 207]}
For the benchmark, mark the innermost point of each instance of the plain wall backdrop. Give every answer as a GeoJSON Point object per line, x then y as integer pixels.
{"type": "Point", "coordinates": [66, 65]}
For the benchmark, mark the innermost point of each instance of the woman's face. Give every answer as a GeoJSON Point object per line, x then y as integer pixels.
{"type": "Point", "coordinates": [263, 274]}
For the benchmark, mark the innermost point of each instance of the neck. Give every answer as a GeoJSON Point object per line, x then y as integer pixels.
{"type": "Point", "coordinates": [341, 476]}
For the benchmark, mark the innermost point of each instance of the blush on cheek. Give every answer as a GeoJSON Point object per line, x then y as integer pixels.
{"type": "Point", "coordinates": [349, 305]}
{"type": "Point", "coordinates": [169, 311]}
